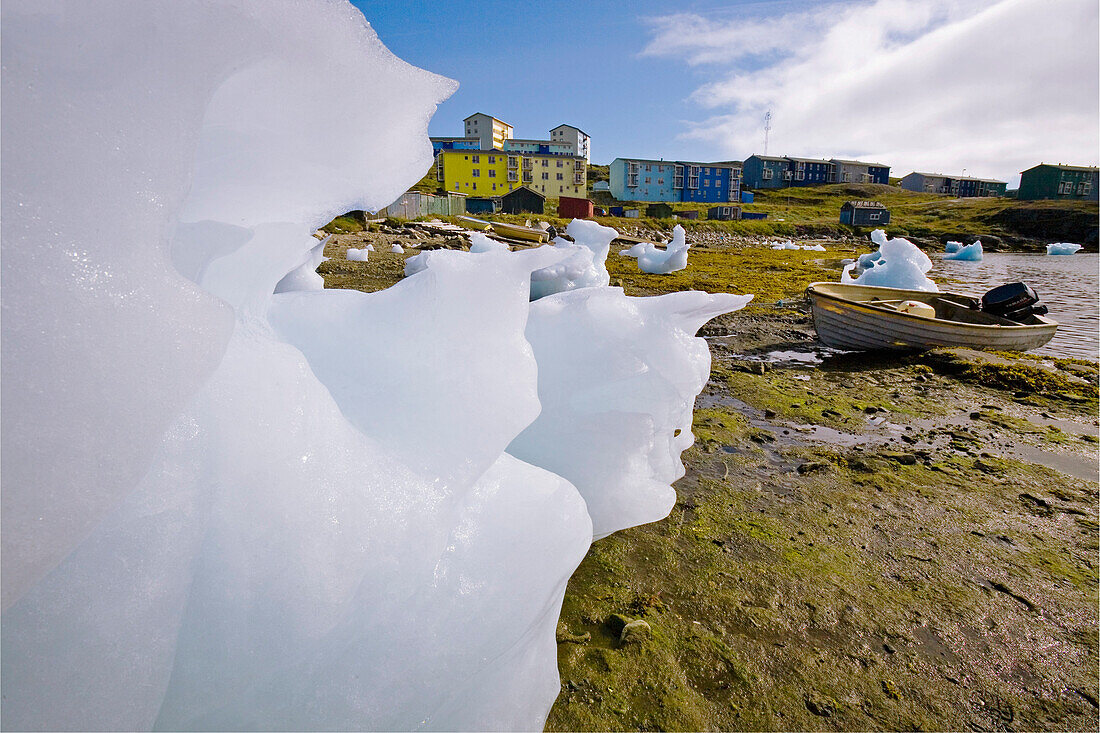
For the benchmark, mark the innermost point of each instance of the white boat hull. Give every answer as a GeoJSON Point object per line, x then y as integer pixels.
{"type": "Point", "coordinates": [846, 317]}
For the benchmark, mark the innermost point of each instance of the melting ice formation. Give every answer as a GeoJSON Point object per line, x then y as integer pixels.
{"type": "Point", "coordinates": [356, 255]}
{"type": "Point", "coordinates": [952, 247]}
{"type": "Point", "coordinates": [661, 261]}
{"type": "Point", "coordinates": [233, 500]}
{"type": "Point", "coordinates": [791, 245]}
{"type": "Point", "coordinates": [898, 263]}
{"type": "Point", "coordinates": [970, 253]}
{"type": "Point", "coordinates": [1062, 248]}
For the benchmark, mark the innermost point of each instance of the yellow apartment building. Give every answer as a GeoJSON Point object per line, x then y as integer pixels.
{"type": "Point", "coordinates": [495, 173]}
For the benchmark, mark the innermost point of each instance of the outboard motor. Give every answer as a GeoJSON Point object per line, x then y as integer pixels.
{"type": "Point", "coordinates": [1014, 301]}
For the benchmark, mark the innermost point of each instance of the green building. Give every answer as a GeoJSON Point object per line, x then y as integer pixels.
{"type": "Point", "coordinates": [1061, 182]}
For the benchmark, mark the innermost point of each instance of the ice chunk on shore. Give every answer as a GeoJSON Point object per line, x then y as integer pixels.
{"type": "Point", "coordinates": [481, 242]}
{"type": "Point", "coordinates": [970, 253]}
{"type": "Point", "coordinates": [617, 382]}
{"type": "Point", "coordinates": [785, 245]}
{"type": "Point", "coordinates": [271, 544]}
{"type": "Point", "coordinates": [397, 249]}
{"type": "Point", "coordinates": [356, 255]}
{"type": "Point", "coordinates": [1063, 248]}
{"type": "Point", "coordinates": [656, 261]}
{"type": "Point", "coordinates": [898, 263]}
{"type": "Point", "coordinates": [586, 262]}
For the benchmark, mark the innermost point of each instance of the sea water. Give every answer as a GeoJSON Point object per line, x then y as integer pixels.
{"type": "Point", "coordinates": [1069, 286]}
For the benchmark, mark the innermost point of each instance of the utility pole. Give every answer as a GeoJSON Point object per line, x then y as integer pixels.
{"type": "Point", "coordinates": [767, 129]}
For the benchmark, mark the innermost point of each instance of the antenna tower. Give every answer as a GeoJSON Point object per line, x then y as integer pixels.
{"type": "Point", "coordinates": [767, 129]}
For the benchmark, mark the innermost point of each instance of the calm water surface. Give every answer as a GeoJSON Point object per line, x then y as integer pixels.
{"type": "Point", "coordinates": [1068, 284]}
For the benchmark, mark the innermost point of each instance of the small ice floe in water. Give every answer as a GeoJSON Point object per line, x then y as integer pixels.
{"type": "Point", "coordinates": [397, 249]}
{"type": "Point", "coordinates": [357, 255]}
{"type": "Point", "coordinates": [952, 247]}
{"type": "Point", "coordinates": [900, 264]}
{"type": "Point", "coordinates": [969, 253]}
{"type": "Point", "coordinates": [1062, 248]}
{"type": "Point", "coordinates": [661, 262]}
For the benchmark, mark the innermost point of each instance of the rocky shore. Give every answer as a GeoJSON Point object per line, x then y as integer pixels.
{"type": "Point", "coordinates": [898, 542]}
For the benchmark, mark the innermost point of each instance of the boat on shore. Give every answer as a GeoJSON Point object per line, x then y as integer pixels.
{"type": "Point", "coordinates": [518, 231]}
{"type": "Point", "coordinates": [471, 223]}
{"type": "Point", "coordinates": [871, 318]}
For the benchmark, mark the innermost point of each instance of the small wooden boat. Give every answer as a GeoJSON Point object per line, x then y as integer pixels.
{"type": "Point", "coordinates": [471, 223]}
{"type": "Point", "coordinates": [867, 318]}
{"type": "Point", "coordinates": [518, 231]}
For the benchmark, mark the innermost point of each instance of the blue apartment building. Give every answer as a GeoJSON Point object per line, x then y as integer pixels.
{"type": "Point", "coordinates": [764, 171]}
{"type": "Point", "coordinates": [767, 171]}
{"type": "Point", "coordinates": [809, 171]}
{"type": "Point", "coordinates": [640, 179]}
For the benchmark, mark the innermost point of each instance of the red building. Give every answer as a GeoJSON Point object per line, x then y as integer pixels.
{"type": "Point", "coordinates": [573, 208]}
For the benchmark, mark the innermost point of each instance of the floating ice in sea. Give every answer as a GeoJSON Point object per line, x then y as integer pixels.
{"type": "Point", "coordinates": [970, 253]}
{"type": "Point", "coordinates": [952, 247]}
{"type": "Point", "coordinates": [1062, 248]}
{"type": "Point", "coordinates": [307, 519]}
{"type": "Point", "coordinates": [397, 249]}
{"type": "Point", "coordinates": [356, 255]}
{"type": "Point", "coordinates": [899, 264]}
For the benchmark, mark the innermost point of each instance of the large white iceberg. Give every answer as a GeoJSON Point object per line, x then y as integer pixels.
{"type": "Point", "coordinates": [226, 507]}
{"type": "Point", "coordinates": [585, 264]}
{"type": "Point", "coordinates": [970, 253]}
{"type": "Point", "coordinates": [1063, 248]}
{"type": "Point", "coordinates": [898, 263]}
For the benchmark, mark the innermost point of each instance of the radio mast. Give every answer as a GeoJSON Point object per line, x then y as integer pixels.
{"type": "Point", "coordinates": [767, 129]}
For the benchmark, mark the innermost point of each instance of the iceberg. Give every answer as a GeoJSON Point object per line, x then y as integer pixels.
{"type": "Point", "coordinates": [898, 263]}
{"type": "Point", "coordinates": [970, 253]}
{"type": "Point", "coordinates": [584, 264]}
{"type": "Point", "coordinates": [952, 247]}
{"type": "Point", "coordinates": [656, 261]}
{"type": "Point", "coordinates": [235, 500]}
{"type": "Point", "coordinates": [1062, 248]}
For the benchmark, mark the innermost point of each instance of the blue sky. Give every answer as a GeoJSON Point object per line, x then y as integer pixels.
{"type": "Point", "coordinates": [986, 86]}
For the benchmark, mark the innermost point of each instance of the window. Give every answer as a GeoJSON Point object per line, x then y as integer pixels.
{"type": "Point", "coordinates": [546, 176]}
{"type": "Point", "coordinates": [648, 168]}
{"type": "Point", "coordinates": [465, 157]}
{"type": "Point", "coordinates": [648, 179]}
{"type": "Point", "coordinates": [559, 176]}
{"type": "Point", "coordinates": [475, 185]}
{"type": "Point", "coordinates": [874, 217]}
{"type": "Point", "coordinates": [476, 173]}
{"type": "Point", "coordinates": [1085, 188]}
{"type": "Point", "coordinates": [766, 174]}
{"type": "Point", "coordinates": [492, 159]}
{"type": "Point", "coordinates": [545, 163]}
{"type": "Point", "coordinates": [477, 159]}
{"type": "Point", "coordinates": [660, 181]}
{"type": "Point", "coordinates": [558, 162]}
{"type": "Point", "coordinates": [707, 171]}
{"type": "Point", "coordinates": [492, 173]}
{"type": "Point", "coordinates": [494, 187]}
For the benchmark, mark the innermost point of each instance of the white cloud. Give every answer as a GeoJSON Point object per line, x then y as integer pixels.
{"type": "Point", "coordinates": [931, 85]}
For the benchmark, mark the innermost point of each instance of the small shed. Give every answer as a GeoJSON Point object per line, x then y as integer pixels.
{"type": "Point", "coordinates": [658, 211]}
{"type": "Point", "coordinates": [686, 214]}
{"type": "Point", "coordinates": [633, 213]}
{"type": "Point", "coordinates": [574, 208]}
{"type": "Point", "coordinates": [747, 197]}
{"type": "Point", "coordinates": [616, 210]}
{"type": "Point", "coordinates": [724, 213]}
{"type": "Point", "coordinates": [864, 214]}
{"type": "Point", "coordinates": [522, 200]}
{"type": "Point", "coordinates": [480, 205]}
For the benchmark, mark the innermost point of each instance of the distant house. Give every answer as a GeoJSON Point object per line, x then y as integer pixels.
{"type": "Point", "coordinates": [482, 205]}
{"type": "Point", "coordinates": [658, 211]}
{"type": "Point", "coordinates": [412, 204]}
{"type": "Point", "coordinates": [642, 179]}
{"type": "Point", "coordinates": [576, 136]}
{"type": "Point", "coordinates": [809, 171]}
{"type": "Point", "coordinates": [857, 171]}
{"type": "Point", "coordinates": [601, 186]}
{"type": "Point", "coordinates": [724, 213]}
{"type": "Point", "coordinates": [764, 171]}
{"type": "Point", "coordinates": [1063, 182]}
{"type": "Point", "coordinates": [575, 208]}
{"type": "Point", "coordinates": [523, 200]}
{"type": "Point", "coordinates": [864, 214]}
{"type": "Point", "coordinates": [959, 186]}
